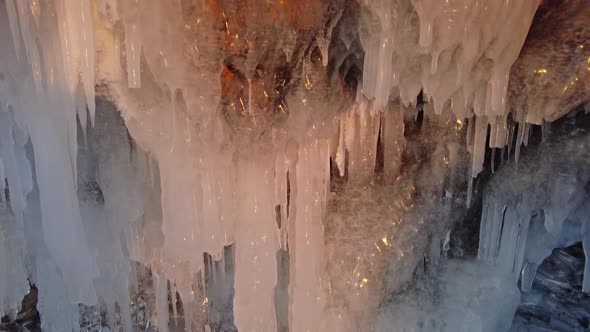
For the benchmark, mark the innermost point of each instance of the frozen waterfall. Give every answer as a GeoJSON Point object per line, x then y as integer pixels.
{"type": "Point", "coordinates": [274, 165]}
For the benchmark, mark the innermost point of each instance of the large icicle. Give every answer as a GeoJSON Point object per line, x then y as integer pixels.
{"type": "Point", "coordinates": [392, 136]}
{"type": "Point", "coordinates": [479, 145]}
{"type": "Point", "coordinates": [310, 186]}
{"type": "Point", "coordinates": [257, 243]}
{"type": "Point", "coordinates": [44, 103]}
{"type": "Point", "coordinates": [459, 55]}
{"type": "Point", "coordinates": [76, 31]}
{"type": "Point", "coordinates": [130, 12]}
{"type": "Point", "coordinates": [361, 136]}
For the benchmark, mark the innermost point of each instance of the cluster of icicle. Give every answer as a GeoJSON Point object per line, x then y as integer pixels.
{"type": "Point", "coordinates": [458, 52]}
{"type": "Point", "coordinates": [460, 57]}
{"type": "Point", "coordinates": [544, 207]}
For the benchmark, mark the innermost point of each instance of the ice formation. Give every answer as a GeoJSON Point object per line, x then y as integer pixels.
{"type": "Point", "coordinates": [523, 222]}
{"type": "Point", "coordinates": [232, 141]}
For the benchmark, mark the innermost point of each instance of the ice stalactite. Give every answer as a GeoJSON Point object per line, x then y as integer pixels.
{"type": "Point", "coordinates": [123, 179]}
{"type": "Point", "coordinates": [361, 131]}
{"type": "Point", "coordinates": [76, 31]}
{"type": "Point", "coordinates": [503, 234]}
{"type": "Point", "coordinates": [44, 105]}
{"type": "Point", "coordinates": [257, 243]}
{"type": "Point", "coordinates": [523, 222]}
{"type": "Point", "coordinates": [130, 13]}
{"type": "Point", "coordinates": [310, 185]}
{"type": "Point", "coordinates": [448, 62]}
{"type": "Point", "coordinates": [392, 136]}
{"type": "Point", "coordinates": [161, 289]}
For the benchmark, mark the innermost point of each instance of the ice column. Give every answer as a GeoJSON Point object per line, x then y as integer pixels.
{"type": "Point", "coordinates": [310, 185]}
{"type": "Point", "coordinates": [361, 132]}
{"type": "Point", "coordinates": [44, 102]}
{"type": "Point", "coordinates": [257, 242]}
{"type": "Point", "coordinates": [503, 235]}
{"type": "Point", "coordinates": [76, 32]}
{"type": "Point", "coordinates": [130, 12]}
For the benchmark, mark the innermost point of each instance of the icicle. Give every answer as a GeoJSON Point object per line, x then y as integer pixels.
{"type": "Point", "coordinates": [458, 105]}
{"type": "Point", "coordinates": [13, 19]}
{"type": "Point", "coordinates": [499, 84]}
{"type": "Point", "coordinates": [479, 145]}
{"type": "Point", "coordinates": [174, 303]}
{"type": "Point", "coordinates": [384, 74]}
{"type": "Point", "coordinates": [508, 230]}
{"type": "Point", "coordinates": [341, 150]}
{"type": "Point", "coordinates": [392, 135]}
{"type": "Point", "coordinates": [519, 138]}
{"type": "Point", "coordinates": [362, 143]}
{"type": "Point", "coordinates": [87, 67]}
{"type": "Point", "coordinates": [434, 63]}
{"type": "Point", "coordinates": [161, 289]}
{"type": "Point", "coordinates": [370, 67]}
{"type": "Point", "coordinates": [133, 49]}
{"type": "Point", "coordinates": [306, 244]}
{"type": "Point", "coordinates": [256, 247]}
{"type": "Point", "coordinates": [493, 132]}
{"type": "Point", "coordinates": [188, 316]}
{"type": "Point", "coordinates": [469, 191]}
{"type": "Point", "coordinates": [130, 12]}
{"type": "Point", "coordinates": [470, 134]}
{"type": "Point", "coordinates": [24, 17]}
{"type": "Point", "coordinates": [501, 133]}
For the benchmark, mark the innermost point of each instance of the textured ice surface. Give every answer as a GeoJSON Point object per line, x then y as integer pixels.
{"type": "Point", "coordinates": [555, 301]}
{"type": "Point", "coordinates": [542, 207]}
{"type": "Point", "coordinates": [464, 296]}
{"type": "Point", "coordinates": [233, 117]}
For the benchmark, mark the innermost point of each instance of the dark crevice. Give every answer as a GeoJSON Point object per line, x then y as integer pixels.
{"type": "Point", "coordinates": [380, 153]}
{"type": "Point", "coordinates": [501, 229]}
